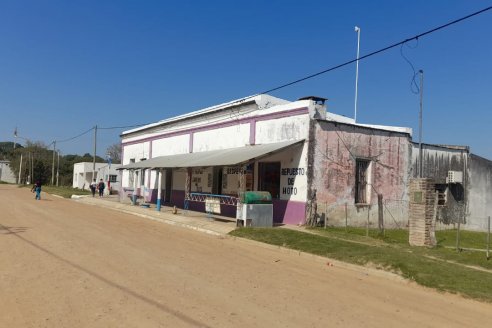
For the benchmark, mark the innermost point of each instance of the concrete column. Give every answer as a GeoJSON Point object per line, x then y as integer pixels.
{"type": "Point", "coordinates": [159, 190]}
{"type": "Point", "coordinates": [134, 196]}
{"type": "Point", "coordinates": [187, 187]}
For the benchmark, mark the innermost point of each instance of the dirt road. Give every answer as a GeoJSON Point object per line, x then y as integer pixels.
{"type": "Point", "coordinates": [66, 264]}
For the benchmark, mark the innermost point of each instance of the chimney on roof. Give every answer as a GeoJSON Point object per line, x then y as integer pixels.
{"type": "Point", "coordinates": [318, 111]}
{"type": "Point", "coordinates": [317, 100]}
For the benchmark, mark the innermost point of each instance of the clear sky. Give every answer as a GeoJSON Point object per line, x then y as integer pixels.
{"type": "Point", "coordinates": [66, 66]}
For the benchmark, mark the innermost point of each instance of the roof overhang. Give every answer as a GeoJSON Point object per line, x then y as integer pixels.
{"type": "Point", "coordinates": [219, 157]}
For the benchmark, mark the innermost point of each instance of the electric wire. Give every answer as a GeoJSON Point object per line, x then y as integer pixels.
{"type": "Point", "coordinates": [416, 37]}
{"type": "Point", "coordinates": [414, 87]}
{"type": "Point", "coordinates": [400, 43]}
{"type": "Point", "coordinates": [123, 127]}
{"type": "Point", "coordinates": [77, 136]}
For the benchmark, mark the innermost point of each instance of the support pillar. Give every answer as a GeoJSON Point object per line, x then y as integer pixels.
{"type": "Point", "coordinates": [422, 210]}
{"type": "Point", "coordinates": [159, 190]}
{"type": "Point", "coordinates": [134, 195]}
{"type": "Point", "coordinates": [187, 187]}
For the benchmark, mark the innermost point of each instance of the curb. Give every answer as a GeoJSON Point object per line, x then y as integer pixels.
{"type": "Point", "coordinates": [150, 217]}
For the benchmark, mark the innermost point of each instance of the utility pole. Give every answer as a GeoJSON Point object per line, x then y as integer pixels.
{"type": "Point", "coordinates": [420, 122]}
{"type": "Point", "coordinates": [15, 137]}
{"type": "Point", "coordinates": [357, 29]}
{"type": "Point", "coordinates": [32, 168]}
{"type": "Point", "coordinates": [20, 171]}
{"type": "Point", "coordinates": [29, 167]}
{"type": "Point", "coordinates": [94, 159]}
{"type": "Point", "coordinates": [58, 168]}
{"type": "Point", "coordinates": [53, 166]}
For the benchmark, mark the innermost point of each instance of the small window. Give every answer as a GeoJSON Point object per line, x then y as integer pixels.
{"type": "Point", "coordinates": [441, 194]}
{"type": "Point", "coordinates": [113, 178]}
{"type": "Point", "coordinates": [362, 181]}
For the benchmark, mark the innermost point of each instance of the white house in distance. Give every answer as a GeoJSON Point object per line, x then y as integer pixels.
{"type": "Point", "coordinates": [83, 175]}
{"type": "Point", "coordinates": [6, 173]}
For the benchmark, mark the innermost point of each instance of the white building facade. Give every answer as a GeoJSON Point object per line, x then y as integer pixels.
{"type": "Point", "coordinates": [83, 175]}
{"type": "Point", "coordinates": [274, 131]}
{"type": "Point", "coordinates": [6, 174]}
{"type": "Point", "coordinates": [301, 155]}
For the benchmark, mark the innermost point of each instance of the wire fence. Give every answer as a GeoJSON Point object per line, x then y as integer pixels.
{"type": "Point", "coordinates": [470, 233]}
{"type": "Point", "coordinates": [476, 237]}
{"type": "Point", "coordinates": [389, 213]}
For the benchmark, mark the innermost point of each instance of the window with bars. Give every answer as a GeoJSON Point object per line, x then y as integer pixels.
{"type": "Point", "coordinates": [361, 181]}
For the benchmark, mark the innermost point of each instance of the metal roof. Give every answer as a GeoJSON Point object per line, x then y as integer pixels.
{"type": "Point", "coordinates": [219, 157]}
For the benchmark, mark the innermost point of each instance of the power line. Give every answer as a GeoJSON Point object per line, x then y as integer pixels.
{"type": "Point", "coordinates": [123, 127]}
{"type": "Point", "coordinates": [77, 136]}
{"type": "Point", "coordinates": [416, 37]}
{"type": "Point", "coordinates": [400, 43]}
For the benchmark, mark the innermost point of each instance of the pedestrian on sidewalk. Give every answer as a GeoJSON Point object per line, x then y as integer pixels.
{"type": "Point", "coordinates": [93, 187]}
{"type": "Point", "coordinates": [37, 189]}
{"type": "Point", "coordinates": [101, 187]}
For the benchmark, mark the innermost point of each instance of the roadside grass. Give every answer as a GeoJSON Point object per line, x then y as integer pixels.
{"type": "Point", "coordinates": [441, 268]}
{"type": "Point", "coordinates": [445, 249]}
{"type": "Point", "coordinates": [63, 191]}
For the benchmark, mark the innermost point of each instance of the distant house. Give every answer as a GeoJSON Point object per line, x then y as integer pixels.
{"type": "Point", "coordinates": [83, 174]}
{"type": "Point", "coordinates": [6, 173]}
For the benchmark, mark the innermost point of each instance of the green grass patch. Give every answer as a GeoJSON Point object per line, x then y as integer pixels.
{"type": "Point", "coordinates": [440, 268]}
{"type": "Point", "coordinates": [63, 191]}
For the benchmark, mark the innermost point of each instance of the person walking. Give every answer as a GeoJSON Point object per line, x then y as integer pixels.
{"type": "Point", "coordinates": [37, 189]}
{"type": "Point", "coordinates": [93, 187]}
{"type": "Point", "coordinates": [101, 187]}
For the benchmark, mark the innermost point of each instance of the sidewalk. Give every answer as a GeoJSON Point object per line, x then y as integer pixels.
{"type": "Point", "coordinates": [216, 225]}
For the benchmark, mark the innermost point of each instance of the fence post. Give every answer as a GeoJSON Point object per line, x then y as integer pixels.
{"type": "Point", "coordinates": [488, 238]}
{"type": "Point", "coordinates": [368, 212]}
{"type": "Point", "coordinates": [345, 217]}
{"type": "Point", "coordinates": [380, 214]}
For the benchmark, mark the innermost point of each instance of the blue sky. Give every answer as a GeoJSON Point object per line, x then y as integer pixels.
{"type": "Point", "coordinates": [66, 66]}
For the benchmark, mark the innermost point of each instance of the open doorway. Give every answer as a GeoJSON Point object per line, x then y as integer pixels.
{"type": "Point", "coordinates": [217, 183]}
{"type": "Point", "coordinates": [168, 185]}
{"type": "Point", "coordinates": [269, 178]}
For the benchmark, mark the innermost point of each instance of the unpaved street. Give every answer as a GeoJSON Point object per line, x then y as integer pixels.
{"type": "Point", "coordinates": [67, 264]}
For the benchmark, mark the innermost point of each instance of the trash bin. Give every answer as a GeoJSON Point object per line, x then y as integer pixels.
{"type": "Point", "coordinates": [255, 209]}
{"type": "Point", "coordinates": [255, 197]}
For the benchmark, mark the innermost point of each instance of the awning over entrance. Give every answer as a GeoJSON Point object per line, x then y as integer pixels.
{"type": "Point", "coordinates": [219, 157]}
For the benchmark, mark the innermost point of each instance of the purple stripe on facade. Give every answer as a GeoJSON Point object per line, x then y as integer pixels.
{"type": "Point", "coordinates": [177, 198]}
{"type": "Point", "coordinates": [288, 211]}
{"type": "Point", "coordinates": [293, 112]}
{"type": "Point", "coordinates": [284, 211]}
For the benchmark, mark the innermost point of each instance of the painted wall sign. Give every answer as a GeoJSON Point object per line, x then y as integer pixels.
{"type": "Point", "coordinates": [291, 173]}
